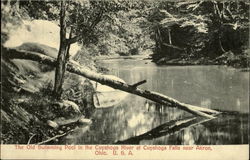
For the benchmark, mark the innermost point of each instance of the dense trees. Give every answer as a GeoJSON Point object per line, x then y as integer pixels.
{"type": "Point", "coordinates": [182, 30]}
{"type": "Point", "coordinates": [198, 29]}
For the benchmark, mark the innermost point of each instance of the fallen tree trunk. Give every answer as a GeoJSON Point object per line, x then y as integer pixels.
{"type": "Point", "coordinates": [76, 68]}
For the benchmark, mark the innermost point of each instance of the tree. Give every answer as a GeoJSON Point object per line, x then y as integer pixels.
{"type": "Point", "coordinates": [82, 19]}
{"type": "Point", "coordinates": [61, 59]}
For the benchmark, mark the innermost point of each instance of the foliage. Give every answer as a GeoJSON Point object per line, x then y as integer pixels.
{"type": "Point", "coordinates": [123, 35]}
{"type": "Point", "coordinates": [200, 28]}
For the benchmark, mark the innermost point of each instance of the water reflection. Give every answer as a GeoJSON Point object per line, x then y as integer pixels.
{"type": "Point", "coordinates": [224, 130]}
{"type": "Point", "coordinates": [207, 86]}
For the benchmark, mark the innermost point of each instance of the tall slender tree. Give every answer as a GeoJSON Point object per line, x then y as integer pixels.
{"type": "Point", "coordinates": [61, 59]}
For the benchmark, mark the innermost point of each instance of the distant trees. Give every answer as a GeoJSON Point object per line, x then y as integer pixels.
{"type": "Point", "coordinates": [124, 34]}
{"type": "Point", "coordinates": [200, 28]}
{"type": "Point", "coordinates": [229, 27]}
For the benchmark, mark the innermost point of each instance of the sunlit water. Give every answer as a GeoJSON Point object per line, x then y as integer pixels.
{"type": "Point", "coordinates": [215, 87]}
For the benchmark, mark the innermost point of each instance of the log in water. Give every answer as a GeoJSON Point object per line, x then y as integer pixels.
{"type": "Point", "coordinates": [74, 67]}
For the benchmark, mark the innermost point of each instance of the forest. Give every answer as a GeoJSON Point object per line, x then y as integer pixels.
{"type": "Point", "coordinates": [51, 51]}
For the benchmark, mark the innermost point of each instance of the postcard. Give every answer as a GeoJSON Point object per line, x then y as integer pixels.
{"type": "Point", "coordinates": [125, 79]}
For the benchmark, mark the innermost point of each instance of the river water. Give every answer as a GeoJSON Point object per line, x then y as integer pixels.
{"type": "Point", "coordinates": [216, 87]}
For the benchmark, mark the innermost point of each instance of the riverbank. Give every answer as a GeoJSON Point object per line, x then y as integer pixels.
{"type": "Point", "coordinates": [29, 112]}
{"type": "Point", "coordinates": [105, 57]}
{"type": "Point", "coordinates": [229, 59]}
{"type": "Point", "coordinates": [31, 118]}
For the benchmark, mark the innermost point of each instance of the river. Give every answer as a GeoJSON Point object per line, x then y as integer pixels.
{"type": "Point", "coordinates": [216, 87]}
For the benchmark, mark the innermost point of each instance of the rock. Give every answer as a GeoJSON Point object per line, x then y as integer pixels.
{"type": "Point", "coordinates": [84, 120]}
{"type": "Point", "coordinates": [225, 58]}
{"type": "Point", "coordinates": [61, 121]}
{"type": "Point", "coordinates": [52, 124]}
{"type": "Point", "coordinates": [66, 108]}
{"type": "Point", "coordinates": [71, 104]}
{"type": "Point", "coordinates": [162, 60]}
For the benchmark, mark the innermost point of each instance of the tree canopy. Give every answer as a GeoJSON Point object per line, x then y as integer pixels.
{"type": "Point", "coordinates": [194, 28]}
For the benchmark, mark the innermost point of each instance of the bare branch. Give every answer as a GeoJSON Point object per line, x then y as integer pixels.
{"type": "Point", "coordinates": [74, 39]}
{"type": "Point", "coordinates": [55, 137]}
{"type": "Point", "coordinates": [139, 83]}
{"type": "Point", "coordinates": [30, 138]}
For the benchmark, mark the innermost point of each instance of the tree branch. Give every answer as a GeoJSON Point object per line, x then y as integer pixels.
{"type": "Point", "coordinates": [139, 83]}
{"type": "Point", "coordinates": [76, 68]}
{"type": "Point", "coordinates": [74, 39]}
{"type": "Point", "coordinates": [79, 36]}
{"type": "Point", "coordinates": [55, 137]}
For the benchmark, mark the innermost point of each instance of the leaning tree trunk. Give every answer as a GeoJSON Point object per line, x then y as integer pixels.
{"type": "Point", "coordinates": [74, 67]}
{"type": "Point", "coordinates": [62, 54]}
